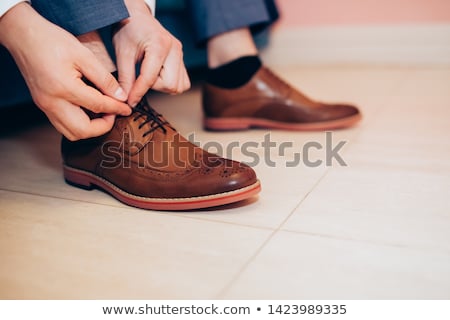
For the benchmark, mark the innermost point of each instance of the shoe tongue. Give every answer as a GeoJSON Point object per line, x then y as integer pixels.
{"type": "Point", "coordinates": [143, 106]}
{"type": "Point", "coordinates": [134, 132]}
{"type": "Point", "coordinates": [151, 119]}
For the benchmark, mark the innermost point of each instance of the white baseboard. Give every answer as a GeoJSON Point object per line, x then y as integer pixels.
{"type": "Point", "coordinates": [386, 45]}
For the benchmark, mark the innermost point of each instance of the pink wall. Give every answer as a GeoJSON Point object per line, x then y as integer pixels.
{"type": "Point", "coordinates": [362, 12]}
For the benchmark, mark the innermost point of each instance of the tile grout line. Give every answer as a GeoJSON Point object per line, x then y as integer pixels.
{"type": "Point", "coordinates": [58, 197]}
{"type": "Point", "coordinates": [355, 137]}
{"type": "Point", "coordinates": [224, 222]}
{"type": "Point", "coordinates": [373, 243]}
{"type": "Point", "coordinates": [377, 114]}
{"type": "Point", "coordinates": [269, 238]}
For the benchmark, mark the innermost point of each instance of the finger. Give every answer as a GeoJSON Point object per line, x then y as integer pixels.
{"type": "Point", "coordinates": [170, 74]}
{"type": "Point", "coordinates": [62, 128]}
{"type": "Point", "coordinates": [88, 128]}
{"type": "Point", "coordinates": [80, 126]}
{"type": "Point", "coordinates": [187, 80]}
{"type": "Point", "coordinates": [184, 82]}
{"type": "Point", "coordinates": [127, 71]}
{"type": "Point", "coordinates": [180, 84]}
{"type": "Point", "coordinates": [100, 126]}
{"type": "Point", "coordinates": [93, 70]}
{"type": "Point", "coordinates": [92, 99]}
{"type": "Point", "coordinates": [150, 69]}
{"type": "Point", "coordinates": [64, 118]}
{"type": "Point", "coordinates": [168, 80]}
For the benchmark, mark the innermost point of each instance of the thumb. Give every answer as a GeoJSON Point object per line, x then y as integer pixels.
{"type": "Point", "coordinates": [93, 70]}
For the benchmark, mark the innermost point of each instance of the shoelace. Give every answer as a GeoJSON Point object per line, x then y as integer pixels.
{"type": "Point", "coordinates": [151, 117]}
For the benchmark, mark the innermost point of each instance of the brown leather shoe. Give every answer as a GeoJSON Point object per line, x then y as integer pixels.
{"type": "Point", "coordinates": [146, 163]}
{"type": "Point", "coordinates": [266, 101]}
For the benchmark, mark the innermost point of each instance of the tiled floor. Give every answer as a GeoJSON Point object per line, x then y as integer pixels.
{"type": "Point", "coordinates": [377, 228]}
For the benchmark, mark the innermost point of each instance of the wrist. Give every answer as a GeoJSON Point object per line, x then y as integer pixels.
{"type": "Point", "coordinates": [15, 22]}
{"type": "Point", "coordinates": [138, 6]}
{"type": "Point", "coordinates": [137, 9]}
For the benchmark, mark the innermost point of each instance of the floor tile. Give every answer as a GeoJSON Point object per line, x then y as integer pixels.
{"type": "Point", "coordinates": [411, 132]}
{"type": "Point", "coordinates": [376, 228]}
{"type": "Point", "coordinates": [60, 249]}
{"type": "Point", "coordinates": [381, 205]}
{"type": "Point", "coordinates": [31, 162]}
{"type": "Point", "coordinates": [265, 211]}
{"type": "Point", "coordinates": [297, 266]}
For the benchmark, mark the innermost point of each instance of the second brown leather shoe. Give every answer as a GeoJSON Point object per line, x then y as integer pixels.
{"type": "Point", "coordinates": [144, 162]}
{"type": "Point", "coordinates": [266, 101]}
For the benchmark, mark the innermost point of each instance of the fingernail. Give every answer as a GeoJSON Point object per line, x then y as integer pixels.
{"type": "Point", "coordinates": [120, 94]}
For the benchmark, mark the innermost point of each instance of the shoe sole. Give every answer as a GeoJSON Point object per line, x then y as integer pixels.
{"type": "Point", "coordinates": [86, 180]}
{"type": "Point", "coordinates": [228, 124]}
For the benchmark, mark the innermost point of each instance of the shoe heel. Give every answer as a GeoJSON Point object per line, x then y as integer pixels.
{"type": "Point", "coordinates": [224, 124]}
{"type": "Point", "coordinates": [77, 179]}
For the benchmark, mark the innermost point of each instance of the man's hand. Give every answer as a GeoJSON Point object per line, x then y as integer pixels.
{"type": "Point", "coordinates": [142, 38]}
{"type": "Point", "coordinates": [53, 63]}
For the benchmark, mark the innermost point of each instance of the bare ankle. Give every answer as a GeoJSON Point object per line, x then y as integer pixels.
{"type": "Point", "coordinates": [229, 46]}
{"type": "Point", "coordinates": [93, 42]}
